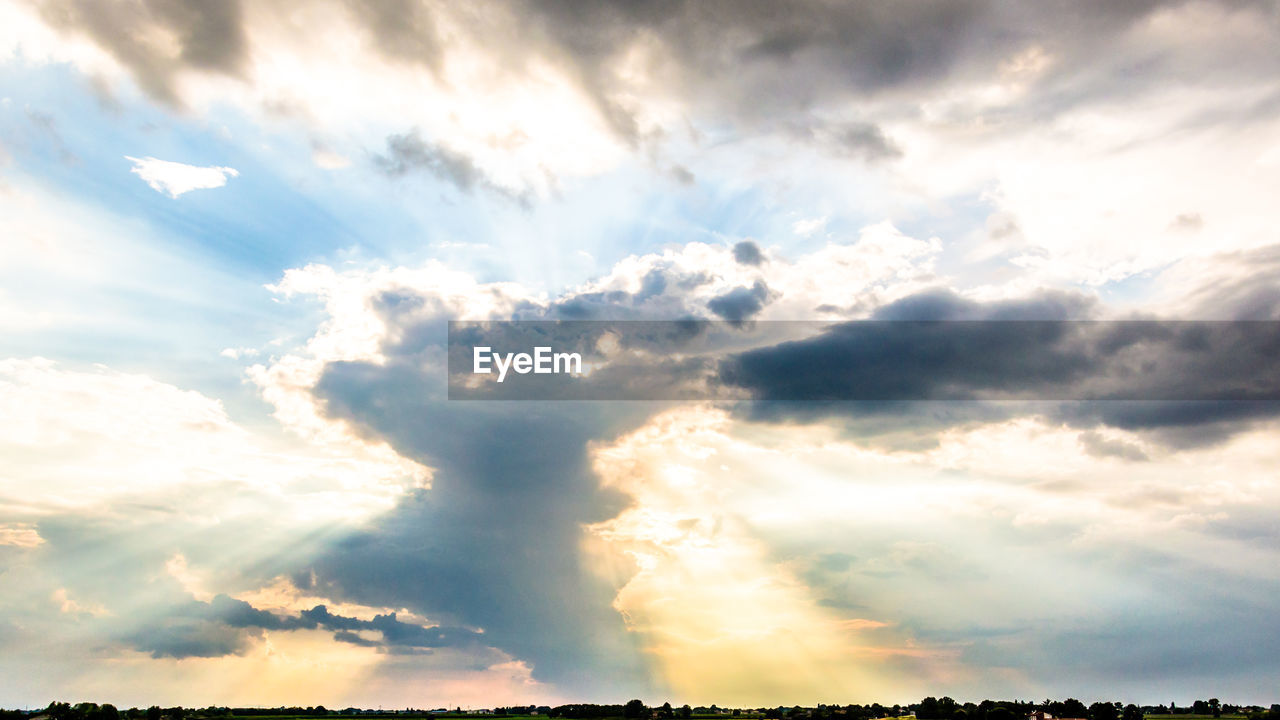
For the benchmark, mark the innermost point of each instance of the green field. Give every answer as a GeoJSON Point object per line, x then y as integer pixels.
{"type": "Point", "coordinates": [743, 716]}
{"type": "Point", "coordinates": [1180, 716]}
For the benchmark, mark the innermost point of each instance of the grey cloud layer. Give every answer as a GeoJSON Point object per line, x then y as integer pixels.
{"type": "Point", "coordinates": [211, 36]}
{"type": "Point", "coordinates": [763, 69]}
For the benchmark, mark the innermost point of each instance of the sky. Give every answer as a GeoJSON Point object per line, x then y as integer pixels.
{"type": "Point", "coordinates": [231, 236]}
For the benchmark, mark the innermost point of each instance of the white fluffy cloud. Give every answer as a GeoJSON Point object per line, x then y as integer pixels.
{"type": "Point", "coordinates": [174, 178]}
{"type": "Point", "coordinates": [85, 440]}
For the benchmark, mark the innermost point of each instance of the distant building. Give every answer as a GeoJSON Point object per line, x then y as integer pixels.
{"type": "Point", "coordinates": [1040, 715]}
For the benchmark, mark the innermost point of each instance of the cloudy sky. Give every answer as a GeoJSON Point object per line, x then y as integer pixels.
{"type": "Point", "coordinates": [231, 235]}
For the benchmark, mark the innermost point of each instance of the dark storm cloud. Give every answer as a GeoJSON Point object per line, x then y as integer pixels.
{"type": "Point", "coordinates": [189, 637]}
{"type": "Point", "coordinates": [653, 285]}
{"type": "Point", "coordinates": [663, 293]}
{"type": "Point", "coordinates": [916, 361]}
{"type": "Point", "coordinates": [740, 304]}
{"type": "Point", "coordinates": [224, 626]}
{"type": "Point", "coordinates": [395, 633]}
{"type": "Point", "coordinates": [942, 304]}
{"type": "Point", "coordinates": [935, 346]}
{"type": "Point", "coordinates": [747, 253]}
{"type": "Point", "coordinates": [1187, 424]}
{"type": "Point", "coordinates": [593, 305]}
{"type": "Point", "coordinates": [905, 354]}
{"type": "Point", "coordinates": [409, 153]}
{"type": "Point", "coordinates": [497, 542]}
{"type": "Point", "coordinates": [220, 627]}
{"type": "Point", "coordinates": [1190, 383]}
{"type": "Point", "coordinates": [238, 613]}
{"type": "Point", "coordinates": [211, 36]}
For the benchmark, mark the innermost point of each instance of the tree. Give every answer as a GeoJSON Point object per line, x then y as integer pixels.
{"type": "Point", "coordinates": [636, 709]}
{"type": "Point", "coordinates": [1132, 712]}
{"type": "Point", "coordinates": [1073, 708]}
{"type": "Point", "coordinates": [686, 712]}
{"type": "Point", "coordinates": [1215, 707]}
{"type": "Point", "coordinates": [1102, 711]}
{"type": "Point", "coordinates": [153, 713]}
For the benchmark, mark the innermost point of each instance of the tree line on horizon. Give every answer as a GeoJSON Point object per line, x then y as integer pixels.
{"type": "Point", "coordinates": [930, 708]}
{"type": "Point", "coordinates": [947, 709]}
